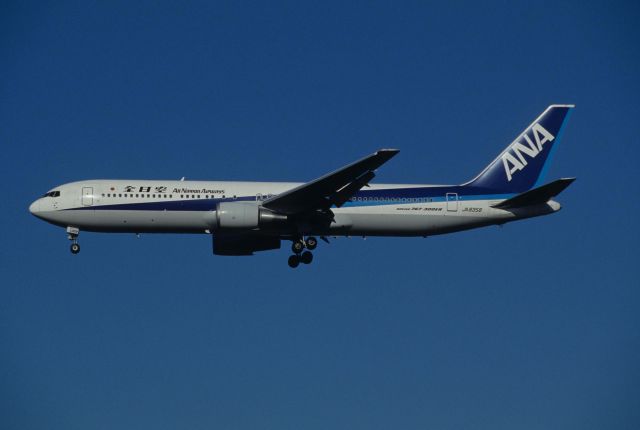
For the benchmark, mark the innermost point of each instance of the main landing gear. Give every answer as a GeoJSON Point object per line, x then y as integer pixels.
{"type": "Point", "coordinates": [299, 255]}
{"type": "Point", "coordinates": [72, 234]}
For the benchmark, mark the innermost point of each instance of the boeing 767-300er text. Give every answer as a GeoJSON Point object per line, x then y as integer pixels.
{"type": "Point", "coordinates": [246, 217]}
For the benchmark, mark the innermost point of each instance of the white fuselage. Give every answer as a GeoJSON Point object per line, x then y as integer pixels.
{"type": "Point", "coordinates": [189, 207]}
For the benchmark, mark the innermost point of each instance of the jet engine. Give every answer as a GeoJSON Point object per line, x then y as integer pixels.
{"type": "Point", "coordinates": [243, 216]}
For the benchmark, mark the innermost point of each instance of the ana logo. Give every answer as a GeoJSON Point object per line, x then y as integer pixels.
{"type": "Point", "coordinates": [513, 160]}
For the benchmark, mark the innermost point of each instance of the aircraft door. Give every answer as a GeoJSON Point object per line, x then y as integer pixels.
{"type": "Point", "coordinates": [87, 196]}
{"type": "Point", "coordinates": [452, 202]}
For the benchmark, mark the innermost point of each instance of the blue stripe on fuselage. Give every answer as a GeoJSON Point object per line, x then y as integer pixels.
{"type": "Point", "coordinates": [388, 196]}
{"type": "Point", "coordinates": [168, 205]}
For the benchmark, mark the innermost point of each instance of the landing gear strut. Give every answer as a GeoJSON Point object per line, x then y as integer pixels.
{"type": "Point", "coordinates": [72, 235]}
{"type": "Point", "coordinates": [297, 247]}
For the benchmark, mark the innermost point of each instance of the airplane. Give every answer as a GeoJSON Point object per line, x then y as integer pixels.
{"type": "Point", "coordinates": [248, 217]}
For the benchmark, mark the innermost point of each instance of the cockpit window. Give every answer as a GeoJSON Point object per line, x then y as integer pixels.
{"type": "Point", "coordinates": [52, 194]}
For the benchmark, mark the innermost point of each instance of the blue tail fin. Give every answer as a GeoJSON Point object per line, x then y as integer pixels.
{"type": "Point", "coordinates": [521, 166]}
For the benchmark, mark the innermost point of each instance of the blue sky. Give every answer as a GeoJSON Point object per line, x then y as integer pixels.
{"type": "Point", "coordinates": [534, 325]}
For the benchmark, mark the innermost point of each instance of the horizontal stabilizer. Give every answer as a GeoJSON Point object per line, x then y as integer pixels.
{"type": "Point", "coordinates": [536, 196]}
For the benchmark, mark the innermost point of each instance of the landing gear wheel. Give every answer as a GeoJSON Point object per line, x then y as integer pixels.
{"type": "Point", "coordinates": [294, 261]}
{"type": "Point", "coordinates": [306, 257]}
{"type": "Point", "coordinates": [312, 242]}
{"type": "Point", "coordinates": [72, 235]}
{"type": "Point", "coordinates": [297, 246]}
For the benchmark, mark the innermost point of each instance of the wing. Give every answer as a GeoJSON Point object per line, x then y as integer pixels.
{"type": "Point", "coordinates": [334, 188]}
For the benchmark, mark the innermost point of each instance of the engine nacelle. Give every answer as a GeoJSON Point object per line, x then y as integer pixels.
{"type": "Point", "coordinates": [238, 215]}
{"type": "Point", "coordinates": [243, 216]}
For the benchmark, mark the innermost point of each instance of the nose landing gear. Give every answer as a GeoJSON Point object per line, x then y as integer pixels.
{"type": "Point", "coordinates": [72, 235]}
{"type": "Point", "coordinates": [299, 256]}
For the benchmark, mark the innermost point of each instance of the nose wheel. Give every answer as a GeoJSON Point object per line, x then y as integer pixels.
{"type": "Point", "coordinates": [299, 255]}
{"type": "Point", "coordinates": [72, 235]}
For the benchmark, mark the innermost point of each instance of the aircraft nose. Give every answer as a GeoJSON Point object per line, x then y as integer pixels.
{"type": "Point", "coordinates": [34, 208]}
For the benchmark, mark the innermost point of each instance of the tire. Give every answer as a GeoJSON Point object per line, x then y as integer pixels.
{"type": "Point", "coordinates": [306, 257]}
{"type": "Point", "coordinates": [297, 247]}
{"type": "Point", "coordinates": [312, 242]}
{"type": "Point", "coordinates": [75, 248]}
{"type": "Point", "coordinates": [294, 261]}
